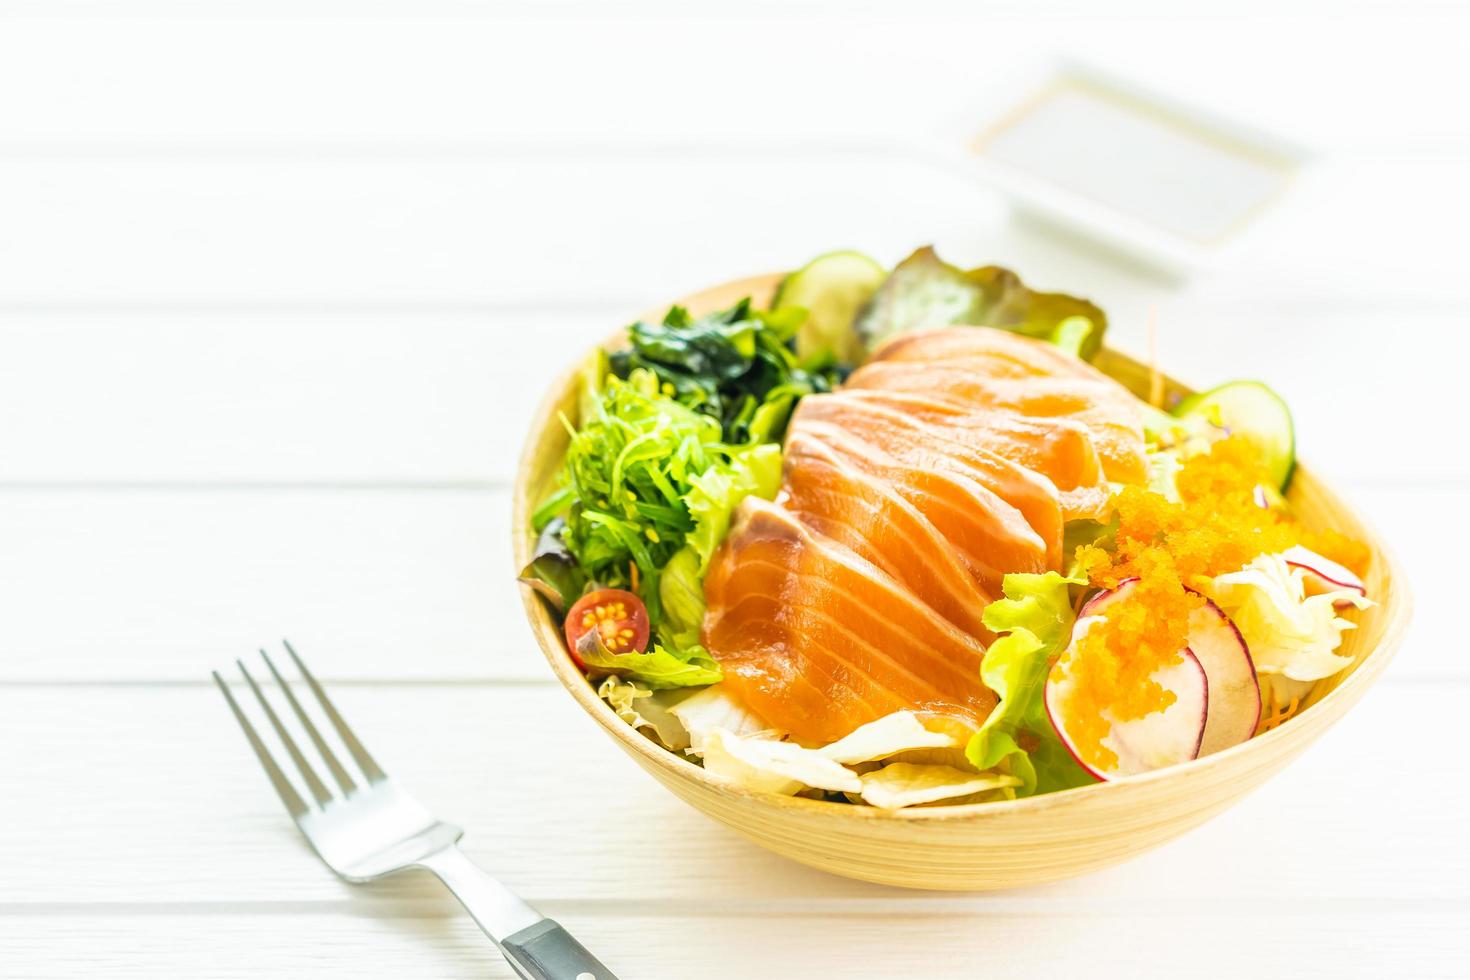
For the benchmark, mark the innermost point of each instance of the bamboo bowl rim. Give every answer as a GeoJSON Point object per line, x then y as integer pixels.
{"type": "Point", "coordinates": [1360, 675]}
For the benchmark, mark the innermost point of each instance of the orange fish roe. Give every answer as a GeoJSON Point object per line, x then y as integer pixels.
{"type": "Point", "coordinates": [1215, 527]}
{"type": "Point", "coordinates": [1338, 547]}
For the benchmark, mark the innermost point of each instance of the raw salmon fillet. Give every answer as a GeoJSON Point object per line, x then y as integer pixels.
{"type": "Point", "coordinates": [818, 641]}
{"type": "Point", "coordinates": [985, 532]}
{"type": "Point", "coordinates": [1105, 411]}
{"type": "Point", "coordinates": [1012, 355]}
{"type": "Point", "coordinates": [953, 457]}
{"type": "Point", "coordinates": [859, 507]}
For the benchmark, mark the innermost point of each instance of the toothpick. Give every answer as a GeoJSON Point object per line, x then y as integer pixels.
{"type": "Point", "coordinates": [1156, 377]}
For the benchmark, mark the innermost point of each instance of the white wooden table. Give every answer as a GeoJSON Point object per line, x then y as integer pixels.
{"type": "Point", "coordinates": [280, 282]}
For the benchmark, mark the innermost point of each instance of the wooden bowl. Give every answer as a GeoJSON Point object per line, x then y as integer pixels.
{"type": "Point", "coordinates": [986, 845]}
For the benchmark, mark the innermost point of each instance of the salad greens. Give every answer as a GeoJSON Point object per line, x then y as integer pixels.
{"type": "Point", "coordinates": [681, 597]}
{"type": "Point", "coordinates": [659, 668]}
{"type": "Point", "coordinates": [553, 570]}
{"type": "Point", "coordinates": [712, 501]}
{"type": "Point", "coordinates": [925, 291]}
{"type": "Point", "coordinates": [672, 434]}
{"type": "Point", "coordinates": [737, 365]}
{"type": "Point", "coordinates": [643, 474]}
{"type": "Point", "coordinates": [1035, 623]}
{"type": "Point", "coordinates": [718, 489]}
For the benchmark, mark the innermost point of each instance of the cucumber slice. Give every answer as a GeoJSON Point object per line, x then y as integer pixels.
{"type": "Point", "coordinates": [1253, 410]}
{"type": "Point", "coordinates": [831, 288]}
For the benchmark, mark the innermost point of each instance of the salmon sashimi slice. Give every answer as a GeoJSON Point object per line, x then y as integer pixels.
{"type": "Point", "coordinates": [1060, 450]}
{"type": "Point", "coordinates": [989, 535]}
{"type": "Point", "coordinates": [1005, 354]}
{"type": "Point", "coordinates": [1057, 450]}
{"type": "Point", "coordinates": [879, 523]}
{"type": "Point", "coordinates": [952, 458]}
{"type": "Point", "coordinates": [1106, 411]}
{"type": "Point", "coordinates": [906, 437]}
{"type": "Point", "coordinates": [817, 640]}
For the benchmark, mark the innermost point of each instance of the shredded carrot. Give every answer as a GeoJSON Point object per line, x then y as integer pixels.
{"type": "Point", "coordinates": [1277, 714]}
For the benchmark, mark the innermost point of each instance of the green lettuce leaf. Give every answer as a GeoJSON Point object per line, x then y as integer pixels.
{"type": "Point", "coordinates": [626, 473]}
{"type": "Point", "coordinates": [717, 491]}
{"type": "Point", "coordinates": [681, 593]}
{"type": "Point", "coordinates": [658, 669]}
{"type": "Point", "coordinates": [925, 291]}
{"type": "Point", "coordinates": [1034, 623]}
{"type": "Point", "coordinates": [1080, 532]}
{"type": "Point", "coordinates": [553, 570]}
{"type": "Point", "coordinates": [754, 470]}
{"type": "Point", "coordinates": [751, 471]}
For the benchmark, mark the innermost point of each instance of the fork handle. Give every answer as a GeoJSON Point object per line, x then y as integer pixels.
{"type": "Point", "coordinates": [536, 947]}
{"type": "Point", "coordinates": [546, 951]}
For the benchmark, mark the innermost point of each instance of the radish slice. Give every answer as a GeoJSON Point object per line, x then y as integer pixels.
{"type": "Point", "coordinates": [1101, 600]}
{"type": "Point", "coordinates": [1324, 574]}
{"type": "Point", "coordinates": [1162, 738]}
{"type": "Point", "coordinates": [1234, 695]}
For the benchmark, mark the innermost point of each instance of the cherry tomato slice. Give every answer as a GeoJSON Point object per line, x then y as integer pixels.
{"type": "Point", "coordinates": [618, 616]}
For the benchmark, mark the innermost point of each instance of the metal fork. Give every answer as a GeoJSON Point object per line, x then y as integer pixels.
{"type": "Point", "coordinates": [369, 828]}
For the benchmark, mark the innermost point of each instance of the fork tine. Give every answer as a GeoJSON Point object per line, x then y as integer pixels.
{"type": "Point", "coordinates": [284, 789]}
{"type": "Point", "coordinates": [340, 774]}
{"type": "Point", "coordinates": [364, 761]}
{"type": "Point", "coordinates": [323, 797]}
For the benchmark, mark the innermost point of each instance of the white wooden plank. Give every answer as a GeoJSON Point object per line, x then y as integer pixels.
{"type": "Point", "coordinates": [142, 585]}
{"type": "Point", "coordinates": [448, 395]}
{"type": "Point", "coordinates": [149, 796]}
{"type": "Point", "coordinates": [336, 397]}
{"type": "Point", "coordinates": [380, 585]}
{"type": "Point", "coordinates": [1192, 939]}
{"type": "Point", "coordinates": [337, 68]}
{"type": "Point", "coordinates": [542, 226]}
{"type": "Point", "coordinates": [550, 223]}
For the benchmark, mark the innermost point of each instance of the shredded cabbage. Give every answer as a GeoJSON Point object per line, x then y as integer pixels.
{"type": "Point", "coordinates": [1289, 633]}
{"type": "Point", "coordinates": [772, 766]}
{"type": "Point", "coordinates": [1163, 473]}
{"type": "Point", "coordinates": [756, 759]}
{"type": "Point", "coordinates": [642, 708]}
{"type": "Point", "coordinates": [902, 784]}
{"type": "Point", "coordinates": [712, 708]}
{"type": "Point", "coordinates": [901, 731]}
